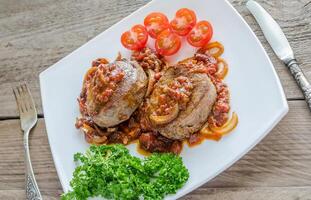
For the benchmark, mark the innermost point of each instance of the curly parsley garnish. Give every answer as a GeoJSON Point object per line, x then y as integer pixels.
{"type": "Point", "coordinates": [111, 172]}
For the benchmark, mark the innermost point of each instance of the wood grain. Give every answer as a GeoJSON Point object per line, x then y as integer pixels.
{"type": "Point", "coordinates": [285, 193]}
{"type": "Point", "coordinates": [36, 34]}
{"type": "Point", "coordinates": [281, 193]}
{"type": "Point", "coordinates": [280, 164]}
{"type": "Point", "coordinates": [20, 194]}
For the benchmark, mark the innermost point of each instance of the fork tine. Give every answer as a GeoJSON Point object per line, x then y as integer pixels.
{"type": "Point", "coordinates": [25, 89]}
{"type": "Point", "coordinates": [26, 97]}
{"type": "Point", "coordinates": [31, 103]}
{"type": "Point", "coordinates": [24, 100]}
{"type": "Point", "coordinates": [18, 100]}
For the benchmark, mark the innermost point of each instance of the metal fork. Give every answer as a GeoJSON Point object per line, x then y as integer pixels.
{"type": "Point", "coordinates": [28, 117]}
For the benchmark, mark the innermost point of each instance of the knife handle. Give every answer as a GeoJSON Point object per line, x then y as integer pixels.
{"type": "Point", "coordinates": [301, 79]}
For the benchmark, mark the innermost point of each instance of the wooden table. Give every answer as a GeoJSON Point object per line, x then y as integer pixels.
{"type": "Point", "coordinates": [35, 34]}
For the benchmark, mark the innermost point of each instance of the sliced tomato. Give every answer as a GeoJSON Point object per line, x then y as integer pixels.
{"type": "Point", "coordinates": [167, 43]}
{"type": "Point", "coordinates": [155, 23]}
{"type": "Point", "coordinates": [200, 34]}
{"type": "Point", "coordinates": [136, 38]}
{"type": "Point", "coordinates": [185, 19]}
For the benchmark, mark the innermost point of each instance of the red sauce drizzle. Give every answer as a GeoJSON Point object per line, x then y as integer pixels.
{"type": "Point", "coordinates": [100, 81]}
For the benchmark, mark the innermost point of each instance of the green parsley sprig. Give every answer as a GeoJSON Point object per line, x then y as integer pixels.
{"type": "Point", "coordinates": [111, 172]}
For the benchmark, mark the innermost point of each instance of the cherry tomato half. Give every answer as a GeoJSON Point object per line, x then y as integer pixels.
{"type": "Point", "coordinates": [200, 34]}
{"type": "Point", "coordinates": [155, 23]}
{"type": "Point", "coordinates": [167, 43]}
{"type": "Point", "coordinates": [136, 38]}
{"type": "Point", "coordinates": [183, 22]}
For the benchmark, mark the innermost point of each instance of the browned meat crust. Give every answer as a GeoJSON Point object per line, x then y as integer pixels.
{"type": "Point", "coordinates": [125, 99]}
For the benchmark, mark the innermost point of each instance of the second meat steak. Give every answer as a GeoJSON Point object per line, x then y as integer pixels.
{"type": "Point", "coordinates": [180, 102]}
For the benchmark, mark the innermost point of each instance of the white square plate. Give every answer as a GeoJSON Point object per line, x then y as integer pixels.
{"type": "Point", "coordinates": [256, 93]}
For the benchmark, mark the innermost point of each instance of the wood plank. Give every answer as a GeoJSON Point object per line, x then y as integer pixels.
{"type": "Point", "coordinates": [278, 193]}
{"type": "Point", "coordinates": [32, 41]}
{"type": "Point", "coordinates": [36, 34]}
{"type": "Point", "coordinates": [271, 193]}
{"type": "Point", "coordinates": [20, 194]}
{"type": "Point", "coordinates": [281, 161]}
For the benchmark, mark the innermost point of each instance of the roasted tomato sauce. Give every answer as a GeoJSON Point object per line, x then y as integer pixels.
{"type": "Point", "coordinates": [177, 91]}
{"type": "Point", "coordinates": [149, 59]}
{"type": "Point", "coordinates": [100, 81]}
{"type": "Point", "coordinates": [103, 78]}
{"type": "Point", "coordinates": [105, 82]}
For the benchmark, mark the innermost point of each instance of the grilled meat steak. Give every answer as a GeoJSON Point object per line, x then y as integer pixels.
{"type": "Point", "coordinates": [114, 92]}
{"type": "Point", "coordinates": [190, 106]}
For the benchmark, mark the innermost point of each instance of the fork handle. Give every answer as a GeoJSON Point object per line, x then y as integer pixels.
{"type": "Point", "coordinates": [301, 79]}
{"type": "Point", "coordinates": [32, 189]}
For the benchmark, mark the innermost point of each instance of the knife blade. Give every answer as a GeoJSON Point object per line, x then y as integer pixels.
{"type": "Point", "coordinates": [280, 45]}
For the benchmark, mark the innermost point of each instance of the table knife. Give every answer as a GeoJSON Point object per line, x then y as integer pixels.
{"type": "Point", "coordinates": [280, 45]}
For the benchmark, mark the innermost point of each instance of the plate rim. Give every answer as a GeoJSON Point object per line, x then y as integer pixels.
{"type": "Point", "coordinates": [282, 111]}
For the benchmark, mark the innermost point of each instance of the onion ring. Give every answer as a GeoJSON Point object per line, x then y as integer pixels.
{"type": "Point", "coordinates": [222, 68]}
{"type": "Point", "coordinates": [214, 48]}
{"type": "Point", "coordinates": [227, 127]}
{"type": "Point", "coordinates": [164, 119]}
